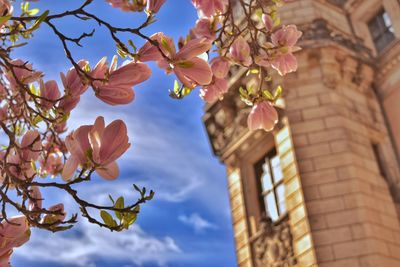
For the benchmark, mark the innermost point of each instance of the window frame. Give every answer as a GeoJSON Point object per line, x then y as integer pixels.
{"type": "Point", "coordinates": [275, 185]}
{"type": "Point", "coordinates": [385, 30]}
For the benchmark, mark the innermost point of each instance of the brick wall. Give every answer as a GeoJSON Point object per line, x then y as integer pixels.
{"type": "Point", "coordinates": [334, 118]}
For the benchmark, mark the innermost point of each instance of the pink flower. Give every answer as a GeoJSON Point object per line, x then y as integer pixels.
{"type": "Point", "coordinates": [240, 51]}
{"type": "Point", "coordinates": [72, 82]}
{"type": "Point", "coordinates": [49, 94]}
{"type": "Point", "coordinates": [35, 198]}
{"type": "Point", "coordinates": [127, 5]}
{"type": "Point", "coordinates": [68, 103]}
{"type": "Point", "coordinates": [3, 113]}
{"type": "Point", "coordinates": [51, 165]}
{"type": "Point", "coordinates": [118, 89]}
{"type": "Point", "coordinates": [54, 218]}
{"type": "Point", "coordinates": [24, 73]}
{"type": "Point", "coordinates": [220, 67]}
{"type": "Point", "coordinates": [153, 6]}
{"type": "Point", "coordinates": [284, 63]}
{"type": "Point", "coordinates": [13, 234]}
{"type": "Point", "coordinates": [149, 51]}
{"type": "Point", "coordinates": [209, 8]}
{"type": "Point", "coordinates": [262, 116]}
{"type": "Point", "coordinates": [214, 91]}
{"type": "Point", "coordinates": [188, 67]}
{"type": "Point", "coordinates": [287, 36]}
{"type": "Point", "coordinates": [96, 146]}
{"type": "Point", "coordinates": [268, 22]}
{"type": "Point", "coordinates": [31, 145]}
{"type": "Point", "coordinates": [5, 9]}
{"type": "Point", "coordinates": [283, 59]}
{"type": "Point", "coordinates": [205, 28]}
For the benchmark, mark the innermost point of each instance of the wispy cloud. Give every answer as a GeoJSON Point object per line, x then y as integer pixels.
{"type": "Point", "coordinates": [197, 222]}
{"type": "Point", "coordinates": [87, 244]}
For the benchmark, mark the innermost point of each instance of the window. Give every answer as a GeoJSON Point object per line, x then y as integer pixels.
{"type": "Point", "coordinates": [272, 191]}
{"type": "Point", "coordinates": [381, 30]}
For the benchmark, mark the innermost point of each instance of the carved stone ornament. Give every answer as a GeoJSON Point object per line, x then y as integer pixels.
{"type": "Point", "coordinates": [273, 244]}
{"type": "Point", "coordinates": [319, 30]}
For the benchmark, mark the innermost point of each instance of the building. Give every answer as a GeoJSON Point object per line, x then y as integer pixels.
{"type": "Point", "coordinates": [328, 176]}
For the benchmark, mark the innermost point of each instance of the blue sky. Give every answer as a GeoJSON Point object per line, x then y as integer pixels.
{"type": "Point", "coordinates": [188, 224]}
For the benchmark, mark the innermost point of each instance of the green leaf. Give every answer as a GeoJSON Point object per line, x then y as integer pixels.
{"type": "Point", "coordinates": [277, 22]}
{"type": "Point", "coordinates": [121, 51]}
{"type": "Point", "coordinates": [119, 204]}
{"type": "Point", "coordinates": [4, 19]}
{"type": "Point", "coordinates": [108, 219]}
{"type": "Point", "coordinates": [130, 42]}
{"type": "Point", "coordinates": [186, 91]}
{"type": "Point", "coordinates": [150, 196]}
{"type": "Point", "coordinates": [33, 12]}
{"type": "Point", "coordinates": [268, 95]}
{"type": "Point", "coordinates": [176, 87]}
{"type": "Point", "coordinates": [252, 71]}
{"type": "Point", "coordinates": [278, 92]}
{"type": "Point", "coordinates": [37, 23]}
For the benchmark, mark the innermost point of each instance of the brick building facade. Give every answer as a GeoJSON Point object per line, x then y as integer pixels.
{"type": "Point", "coordinates": [322, 189]}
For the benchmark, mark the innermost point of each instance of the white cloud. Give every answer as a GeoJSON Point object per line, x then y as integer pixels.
{"type": "Point", "coordinates": [88, 243]}
{"type": "Point", "coordinates": [197, 222]}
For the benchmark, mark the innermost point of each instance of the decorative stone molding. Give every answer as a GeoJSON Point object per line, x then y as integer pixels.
{"type": "Point", "coordinates": [319, 30]}
{"type": "Point", "coordinates": [272, 245]}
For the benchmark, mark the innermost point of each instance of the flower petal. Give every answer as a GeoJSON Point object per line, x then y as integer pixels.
{"type": "Point", "coordinates": [109, 172]}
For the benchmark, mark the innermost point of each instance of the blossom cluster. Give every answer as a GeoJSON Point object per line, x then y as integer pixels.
{"type": "Point", "coordinates": [34, 111]}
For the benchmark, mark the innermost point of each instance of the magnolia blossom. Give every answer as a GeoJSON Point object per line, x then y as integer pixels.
{"type": "Point", "coordinates": [35, 198]}
{"type": "Point", "coordinates": [74, 87]}
{"type": "Point", "coordinates": [23, 72]}
{"type": "Point", "coordinates": [31, 145]}
{"type": "Point", "coordinates": [13, 233]}
{"type": "Point", "coordinates": [20, 159]}
{"type": "Point", "coordinates": [215, 90]}
{"type": "Point", "coordinates": [209, 8]}
{"type": "Point", "coordinates": [285, 38]}
{"type": "Point", "coordinates": [49, 93]}
{"type": "Point", "coordinates": [262, 116]}
{"type": "Point", "coordinates": [268, 22]}
{"type": "Point", "coordinates": [240, 51]}
{"type": "Point", "coordinates": [5, 9]}
{"type": "Point", "coordinates": [72, 81]}
{"type": "Point", "coordinates": [188, 67]}
{"type": "Point", "coordinates": [96, 146]}
{"type": "Point", "coordinates": [153, 6]}
{"type": "Point", "coordinates": [117, 90]}
{"type": "Point", "coordinates": [128, 5]}
{"type": "Point", "coordinates": [52, 164]}
{"type": "Point", "coordinates": [220, 67]}
{"type": "Point", "coordinates": [205, 28]}
{"type": "Point", "coordinates": [54, 218]}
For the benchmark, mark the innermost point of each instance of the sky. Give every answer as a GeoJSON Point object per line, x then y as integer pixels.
{"type": "Point", "coordinates": [188, 223]}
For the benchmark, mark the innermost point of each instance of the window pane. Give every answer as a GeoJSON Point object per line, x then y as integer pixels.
{"type": "Point", "coordinates": [266, 182]}
{"type": "Point", "coordinates": [275, 161]}
{"type": "Point", "coordinates": [270, 204]}
{"type": "Point", "coordinates": [266, 178]}
{"type": "Point", "coordinates": [381, 30]}
{"type": "Point", "coordinates": [280, 192]}
{"type": "Point", "coordinates": [388, 22]}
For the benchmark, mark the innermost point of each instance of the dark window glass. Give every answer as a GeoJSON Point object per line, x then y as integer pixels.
{"type": "Point", "coordinates": [271, 188]}
{"type": "Point", "coordinates": [381, 29]}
